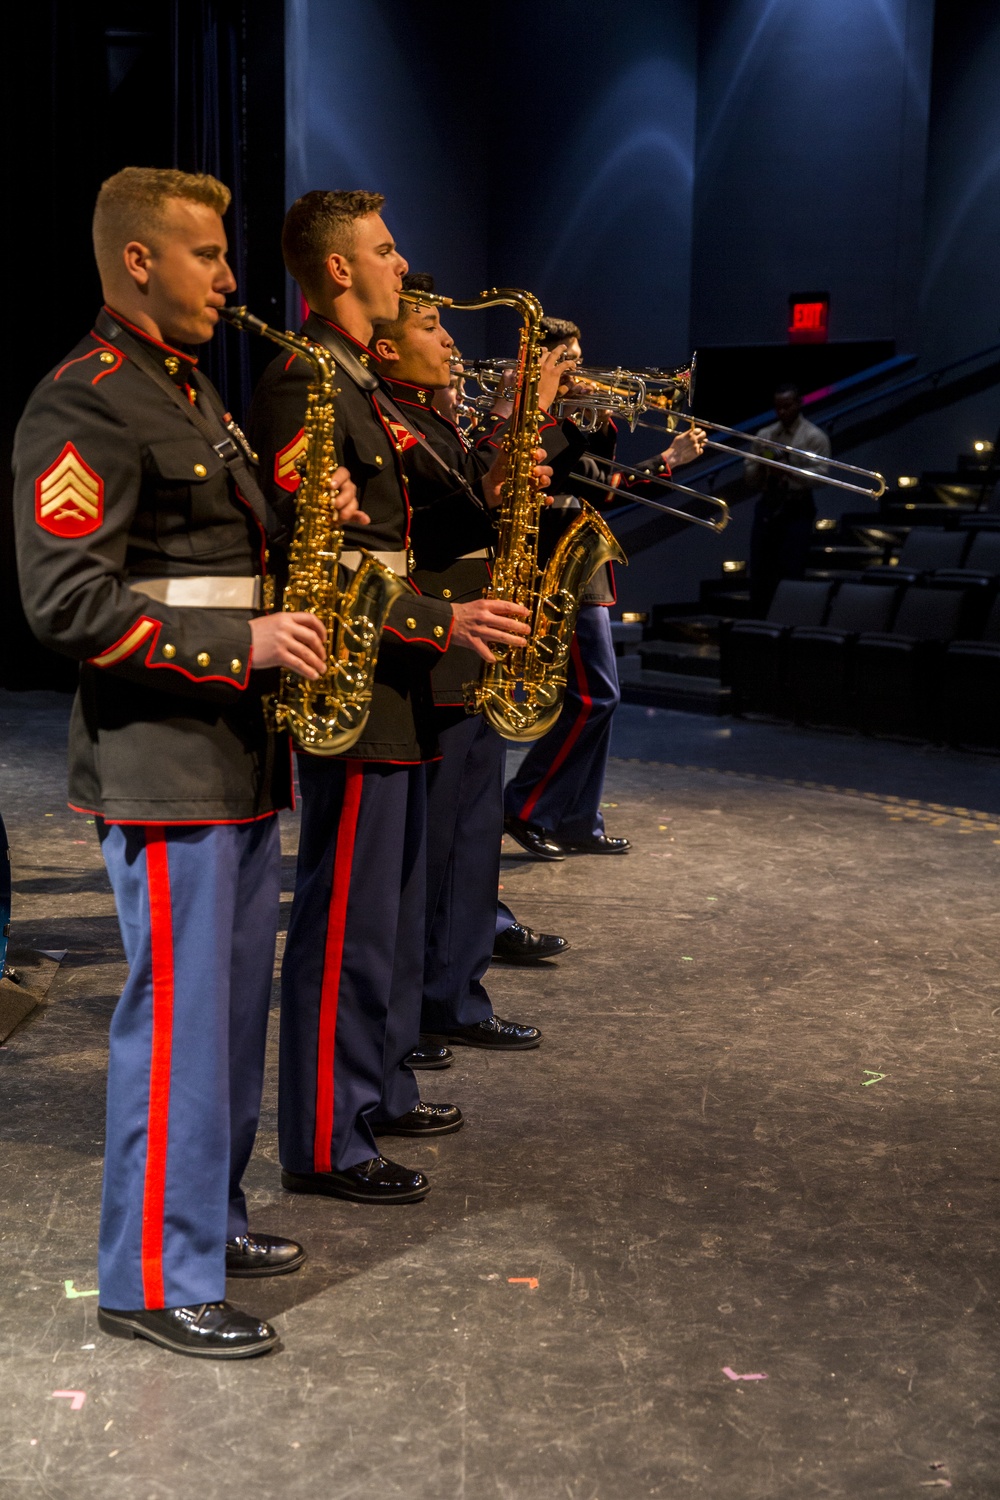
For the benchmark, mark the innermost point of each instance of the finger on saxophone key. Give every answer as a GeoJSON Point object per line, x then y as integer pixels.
{"type": "Point", "coordinates": [344, 495]}
{"type": "Point", "coordinates": [293, 640]}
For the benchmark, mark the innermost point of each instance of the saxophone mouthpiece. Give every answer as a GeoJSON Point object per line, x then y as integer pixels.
{"type": "Point", "coordinates": [426, 299]}
{"type": "Point", "coordinates": [239, 317]}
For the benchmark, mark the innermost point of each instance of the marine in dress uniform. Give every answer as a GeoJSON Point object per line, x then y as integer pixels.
{"type": "Point", "coordinates": [452, 538]}
{"type": "Point", "coordinates": [353, 967]}
{"type": "Point", "coordinates": [553, 802]}
{"type": "Point", "coordinates": [142, 542]}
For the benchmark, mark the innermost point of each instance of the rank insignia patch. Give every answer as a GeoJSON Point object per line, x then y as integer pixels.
{"type": "Point", "coordinates": [401, 437]}
{"type": "Point", "coordinates": [287, 474]}
{"type": "Point", "coordinates": [69, 496]}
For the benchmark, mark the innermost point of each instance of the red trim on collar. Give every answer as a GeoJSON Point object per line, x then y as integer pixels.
{"type": "Point", "coordinates": [344, 334]}
{"type": "Point", "coordinates": [409, 385]}
{"type": "Point", "coordinates": [147, 338]}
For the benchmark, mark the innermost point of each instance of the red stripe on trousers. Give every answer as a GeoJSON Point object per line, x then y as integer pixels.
{"type": "Point", "coordinates": [161, 939]}
{"type": "Point", "coordinates": [333, 959]}
{"type": "Point", "coordinates": [586, 704]}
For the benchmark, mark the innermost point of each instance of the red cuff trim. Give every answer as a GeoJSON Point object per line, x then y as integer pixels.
{"type": "Point", "coordinates": [145, 629]}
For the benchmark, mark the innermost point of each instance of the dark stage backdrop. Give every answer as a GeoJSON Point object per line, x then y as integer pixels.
{"type": "Point", "coordinates": [546, 146]}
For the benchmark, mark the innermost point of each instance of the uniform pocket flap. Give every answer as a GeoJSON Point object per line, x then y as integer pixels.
{"type": "Point", "coordinates": [191, 459]}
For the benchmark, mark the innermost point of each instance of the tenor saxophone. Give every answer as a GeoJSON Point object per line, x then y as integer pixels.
{"type": "Point", "coordinates": [325, 716]}
{"type": "Point", "coordinates": [521, 691]}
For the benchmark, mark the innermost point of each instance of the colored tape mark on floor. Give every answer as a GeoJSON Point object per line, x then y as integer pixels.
{"type": "Point", "coordinates": [72, 1292]}
{"type": "Point", "coordinates": [528, 1281]}
{"type": "Point", "coordinates": [733, 1375]}
{"type": "Point", "coordinates": [870, 1078]}
{"type": "Point", "coordinates": [75, 1398]}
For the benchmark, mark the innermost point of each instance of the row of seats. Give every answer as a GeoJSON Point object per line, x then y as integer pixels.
{"type": "Point", "coordinates": [961, 557]}
{"type": "Point", "coordinates": [886, 656]}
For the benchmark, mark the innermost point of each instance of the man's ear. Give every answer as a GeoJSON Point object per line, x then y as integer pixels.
{"type": "Point", "coordinates": [136, 258]}
{"type": "Point", "coordinates": [386, 351]}
{"type": "Point", "coordinates": [338, 268]}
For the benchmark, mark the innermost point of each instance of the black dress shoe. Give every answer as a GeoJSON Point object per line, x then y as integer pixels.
{"type": "Point", "coordinates": [500, 1036]}
{"type": "Point", "coordinates": [215, 1330]}
{"type": "Point", "coordinates": [424, 1119]}
{"type": "Point", "coordinates": [428, 1057]}
{"type": "Point", "coordinates": [596, 843]}
{"type": "Point", "coordinates": [375, 1181]}
{"type": "Point", "coordinates": [519, 945]}
{"type": "Point", "coordinates": [536, 840]}
{"type": "Point", "coordinates": [262, 1255]}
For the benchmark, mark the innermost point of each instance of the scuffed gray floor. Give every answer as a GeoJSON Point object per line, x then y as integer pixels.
{"type": "Point", "coordinates": [691, 1169]}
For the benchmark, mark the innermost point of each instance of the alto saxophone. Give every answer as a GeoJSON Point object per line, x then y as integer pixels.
{"type": "Point", "coordinates": [326, 716]}
{"type": "Point", "coordinates": [521, 691]}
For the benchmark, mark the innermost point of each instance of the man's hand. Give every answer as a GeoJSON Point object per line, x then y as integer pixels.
{"type": "Point", "coordinates": [493, 479]}
{"type": "Point", "coordinates": [485, 620]}
{"type": "Point", "coordinates": [556, 367]}
{"type": "Point", "coordinates": [685, 447]}
{"type": "Point", "coordinates": [345, 498]}
{"type": "Point", "coordinates": [289, 640]}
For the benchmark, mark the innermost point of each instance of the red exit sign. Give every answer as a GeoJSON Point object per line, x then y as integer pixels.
{"type": "Point", "coordinates": [808, 317]}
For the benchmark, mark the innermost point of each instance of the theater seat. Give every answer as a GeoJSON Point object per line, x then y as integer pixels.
{"type": "Point", "coordinates": [896, 673]}
{"type": "Point", "coordinates": [819, 656]}
{"type": "Point", "coordinates": [970, 689]}
{"type": "Point", "coordinates": [982, 563]}
{"type": "Point", "coordinates": [925, 550]}
{"type": "Point", "coordinates": [753, 651]}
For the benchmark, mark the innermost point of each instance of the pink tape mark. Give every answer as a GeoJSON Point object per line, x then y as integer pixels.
{"type": "Point", "coordinates": [528, 1281]}
{"type": "Point", "coordinates": [75, 1398]}
{"type": "Point", "coordinates": [733, 1375]}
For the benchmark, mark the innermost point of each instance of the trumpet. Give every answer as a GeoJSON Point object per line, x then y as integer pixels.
{"type": "Point", "coordinates": [615, 391]}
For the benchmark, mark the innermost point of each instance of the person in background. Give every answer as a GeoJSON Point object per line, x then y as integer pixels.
{"type": "Point", "coordinates": [785, 514]}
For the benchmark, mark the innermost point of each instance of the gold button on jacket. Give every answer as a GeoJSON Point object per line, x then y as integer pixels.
{"type": "Point", "coordinates": [203, 659]}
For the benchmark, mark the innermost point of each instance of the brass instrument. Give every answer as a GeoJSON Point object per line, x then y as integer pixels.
{"type": "Point", "coordinates": [326, 716]}
{"type": "Point", "coordinates": [520, 693]}
{"type": "Point", "coordinates": [664, 390]}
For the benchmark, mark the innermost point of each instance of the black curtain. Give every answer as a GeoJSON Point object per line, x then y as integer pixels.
{"type": "Point", "coordinates": [92, 87]}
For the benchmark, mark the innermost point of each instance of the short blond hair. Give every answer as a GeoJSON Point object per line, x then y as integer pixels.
{"type": "Point", "coordinates": [131, 206]}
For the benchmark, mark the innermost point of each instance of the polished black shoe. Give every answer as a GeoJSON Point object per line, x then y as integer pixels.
{"type": "Point", "coordinates": [596, 843]}
{"type": "Point", "coordinates": [519, 945]}
{"type": "Point", "coordinates": [428, 1057]}
{"type": "Point", "coordinates": [213, 1330]}
{"type": "Point", "coordinates": [262, 1255]}
{"type": "Point", "coordinates": [500, 1036]}
{"type": "Point", "coordinates": [537, 841]}
{"type": "Point", "coordinates": [424, 1119]}
{"type": "Point", "coordinates": [375, 1181]}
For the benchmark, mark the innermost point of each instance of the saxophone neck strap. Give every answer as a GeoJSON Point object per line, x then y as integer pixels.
{"type": "Point", "coordinates": [351, 365]}
{"type": "Point", "coordinates": [223, 439]}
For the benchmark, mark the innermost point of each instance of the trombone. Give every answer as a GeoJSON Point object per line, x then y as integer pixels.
{"type": "Point", "coordinates": [618, 391]}
{"type": "Point", "coordinates": [493, 379]}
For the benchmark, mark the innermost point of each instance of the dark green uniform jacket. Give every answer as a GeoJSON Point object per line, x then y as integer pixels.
{"type": "Point", "coordinates": [115, 486]}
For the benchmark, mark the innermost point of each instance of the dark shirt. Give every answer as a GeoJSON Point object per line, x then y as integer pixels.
{"type": "Point", "coordinates": [400, 728]}
{"type": "Point", "coordinates": [113, 484]}
{"type": "Point", "coordinates": [447, 523]}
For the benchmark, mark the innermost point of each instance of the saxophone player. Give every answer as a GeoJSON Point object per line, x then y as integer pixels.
{"type": "Point", "coordinates": [453, 534]}
{"type": "Point", "coordinates": [352, 972]}
{"type": "Point", "coordinates": [553, 803]}
{"type": "Point", "coordinates": [142, 535]}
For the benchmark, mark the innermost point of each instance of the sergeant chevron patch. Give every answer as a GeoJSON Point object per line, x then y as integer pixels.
{"type": "Point", "coordinates": [287, 473]}
{"type": "Point", "coordinates": [402, 438]}
{"type": "Point", "coordinates": [69, 496]}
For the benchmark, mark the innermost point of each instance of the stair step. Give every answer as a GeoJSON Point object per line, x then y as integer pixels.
{"type": "Point", "coordinates": [670, 624]}
{"type": "Point", "coordinates": [686, 658]}
{"type": "Point", "coordinates": [693, 695]}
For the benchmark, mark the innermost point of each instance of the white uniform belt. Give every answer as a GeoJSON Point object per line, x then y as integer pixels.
{"type": "Point", "coordinates": [470, 556]}
{"type": "Point", "coordinates": [394, 560]}
{"type": "Point", "coordinates": [201, 593]}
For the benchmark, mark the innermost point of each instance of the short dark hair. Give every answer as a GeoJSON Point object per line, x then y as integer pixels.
{"type": "Point", "coordinates": [319, 224]}
{"type": "Point", "coordinates": [787, 388]}
{"type": "Point", "coordinates": [413, 281]}
{"type": "Point", "coordinates": [558, 331]}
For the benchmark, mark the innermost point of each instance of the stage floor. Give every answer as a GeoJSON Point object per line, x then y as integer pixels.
{"type": "Point", "coordinates": [730, 1233]}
